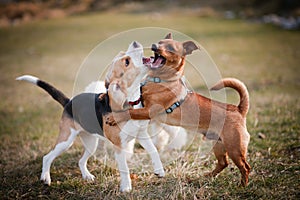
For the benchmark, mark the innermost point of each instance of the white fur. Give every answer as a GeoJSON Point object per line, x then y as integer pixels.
{"type": "Point", "coordinates": [132, 130]}
{"type": "Point", "coordinates": [125, 185]}
{"type": "Point", "coordinates": [28, 78]}
{"type": "Point", "coordinates": [90, 143]}
{"type": "Point", "coordinates": [96, 87]}
{"type": "Point", "coordinates": [177, 136]}
{"type": "Point", "coordinates": [59, 149]}
{"type": "Point", "coordinates": [136, 129]}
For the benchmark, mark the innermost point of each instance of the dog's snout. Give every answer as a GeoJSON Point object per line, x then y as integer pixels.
{"type": "Point", "coordinates": [116, 86]}
{"type": "Point", "coordinates": [126, 105]}
{"type": "Point", "coordinates": [154, 47]}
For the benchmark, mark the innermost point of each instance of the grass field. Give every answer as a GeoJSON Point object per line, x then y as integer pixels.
{"type": "Point", "coordinates": [264, 57]}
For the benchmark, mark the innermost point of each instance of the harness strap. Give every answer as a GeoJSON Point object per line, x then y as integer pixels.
{"type": "Point", "coordinates": [158, 80]}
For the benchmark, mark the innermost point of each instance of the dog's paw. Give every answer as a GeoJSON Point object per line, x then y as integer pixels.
{"type": "Point", "coordinates": [125, 187]}
{"type": "Point", "coordinates": [45, 178]}
{"type": "Point", "coordinates": [159, 173]}
{"type": "Point", "coordinates": [88, 176]}
{"type": "Point", "coordinates": [209, 174]}
{"type": "Point", "coordinates": [110, 120]}
{"type": "Point", "coordinates": [101, 96]}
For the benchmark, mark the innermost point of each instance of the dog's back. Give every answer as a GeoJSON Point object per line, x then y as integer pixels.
{"type": "Point", "coordinates": [87, 110]}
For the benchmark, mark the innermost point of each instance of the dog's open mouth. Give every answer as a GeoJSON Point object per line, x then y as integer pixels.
{"type": "Point", "coordinates": [154, 62]}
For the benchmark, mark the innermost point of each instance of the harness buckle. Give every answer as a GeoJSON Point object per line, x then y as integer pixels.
{"type": "Point", "coordinates": [169, 110]}
{"type": "Point", "coordinates": [156, 80]}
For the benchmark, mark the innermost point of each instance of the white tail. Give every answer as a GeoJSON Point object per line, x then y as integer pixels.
{"type": "Point", "coordinates": [28, 78]}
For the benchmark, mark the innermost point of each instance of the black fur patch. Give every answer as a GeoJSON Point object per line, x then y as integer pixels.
{"type": "Point", "coordinates": [55, 93]}
{"type": "Point", "coordinates": [87, 110]}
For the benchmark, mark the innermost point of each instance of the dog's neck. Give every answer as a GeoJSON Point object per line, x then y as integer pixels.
{"type": "Point", "coordinates": [133, 92]}
{"type": "Point", "coordinates": [166, 75]}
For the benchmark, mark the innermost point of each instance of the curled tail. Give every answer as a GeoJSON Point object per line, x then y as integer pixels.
{"type": "Point", "coordinates": [238, 86]}
{"type": "Point", "coordinates": [55, 93]}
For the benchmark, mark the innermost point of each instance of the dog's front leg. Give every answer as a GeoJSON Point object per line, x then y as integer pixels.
{"type": "Point", "coordinates": [113, 118]}
{"type": "Point", "coordinates": [125, 185]}
{"type": "Point", "coordinates": [148, 145]}
{"type": "Point", "coordinates": [137, 114]}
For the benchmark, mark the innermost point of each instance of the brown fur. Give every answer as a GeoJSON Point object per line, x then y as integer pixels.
{"type": "Point", "coordinates": [112, 134]}
{"type": "Point", "coordinates": [64, 128]}
{"type": "Point", "coordinates": [197, 112]}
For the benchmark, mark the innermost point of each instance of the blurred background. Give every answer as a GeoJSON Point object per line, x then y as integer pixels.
{"type": "Point", "coordinates": [283, 13]}
{"type": "Point", "coordinates": [253, 40]}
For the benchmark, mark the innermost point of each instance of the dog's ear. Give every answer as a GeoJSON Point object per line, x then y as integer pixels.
{"type": "Point", "coordinates": [169, 36]}
{"type": "Point", "coordinates": [189, 47]}
{"type": "Point", "coordinates": [106, 84]}
{"type": "Point", "coordinates": [135, 44]}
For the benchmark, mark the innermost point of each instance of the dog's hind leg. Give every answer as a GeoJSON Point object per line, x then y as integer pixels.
{"type": "Point", "coordinates": [244, 167]}
{"type": "Point", "coordinates": [236, 147]}
{"type": "Point", "coordinates": [90, 143]}
{"type": "Point", "coordinates": [222, 157]}
{"type": "Point", "coordinates": [238, 156]}
{"type": "Point", "coordinates": [147, 144]}
{"type": "Point", "coordinates": [59, 148]}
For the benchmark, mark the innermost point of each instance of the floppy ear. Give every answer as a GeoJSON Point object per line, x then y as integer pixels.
{"type": "Point", "coordinates": [189, 47]}
{"type": "Point", "coordinates": [169, 36]}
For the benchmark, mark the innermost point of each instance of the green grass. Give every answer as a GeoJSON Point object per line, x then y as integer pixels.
{"type": "Point", "coordinates": [264, 57]}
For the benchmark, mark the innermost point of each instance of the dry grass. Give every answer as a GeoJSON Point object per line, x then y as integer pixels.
{"type": "Point", "coordinates": [265, 58]}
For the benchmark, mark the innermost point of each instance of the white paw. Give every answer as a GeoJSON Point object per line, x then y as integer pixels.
{"type": "Point", "coordinates": [125, 186]}
{"type": "Point", "coordinates": [45, 177]}
{"type": "Point", "coordinates": [125, 189]}
{"type": "Point", "coordinates": [88, 176]}
{"type": "Point", "coordinates": [160, 172]}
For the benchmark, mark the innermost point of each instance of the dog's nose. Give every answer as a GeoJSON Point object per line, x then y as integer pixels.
{"type": "Point", "coordinates": [154, 47]}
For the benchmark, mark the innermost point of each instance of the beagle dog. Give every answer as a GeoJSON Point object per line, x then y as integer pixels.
{"type": "Point", "coordinates": [84, 115]}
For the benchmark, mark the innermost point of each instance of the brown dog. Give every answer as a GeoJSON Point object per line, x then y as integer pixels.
{"type": "Point", "coordinates": [167, 100]}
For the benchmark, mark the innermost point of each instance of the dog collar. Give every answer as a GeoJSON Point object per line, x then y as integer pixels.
{"type": "Point", "coordinates": [134, 103]}
{"type": "Point", "coordinates": [155, 80]}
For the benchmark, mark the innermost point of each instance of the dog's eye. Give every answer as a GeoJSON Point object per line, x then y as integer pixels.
{"type": "Point", "coordinates": [127, 62]}
{"type": "Point", "coordinates": [170, 48]}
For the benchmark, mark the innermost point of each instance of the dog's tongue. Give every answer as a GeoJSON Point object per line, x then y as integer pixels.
{"type": "Point", "coordinates": [157, 63]}
{"type": "Point", "coordinates": [147, 61]}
